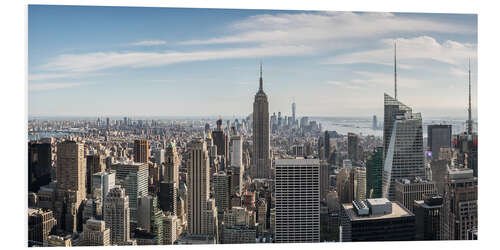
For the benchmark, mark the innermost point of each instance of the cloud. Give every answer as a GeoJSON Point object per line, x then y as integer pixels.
{"type": "Point", "coordinates": [106, 60]}
{"type": "Point", "coordinates": [53, 85]}
{"type": "Point", "coordinates": [327, 28]}
{"type": "Point", "coordinates": [411, 50]}
{"type": "Point", "coordinates": [148, 43]}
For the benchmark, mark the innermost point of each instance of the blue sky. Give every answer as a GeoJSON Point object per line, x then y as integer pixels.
{"type": "Point", "coordinates": [105, 61]}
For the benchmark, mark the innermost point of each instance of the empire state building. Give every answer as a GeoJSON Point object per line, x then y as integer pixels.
{"type": "Point", "coordinates": [261, 160]}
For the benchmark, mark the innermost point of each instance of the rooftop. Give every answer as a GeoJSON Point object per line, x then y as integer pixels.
{"type": "Point", "coordinates": [397, 211]}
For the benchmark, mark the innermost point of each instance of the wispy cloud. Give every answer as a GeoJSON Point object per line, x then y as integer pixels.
{"type": "Point", "coordinates": [149, 43]}
{"type": "Point", "coordinates": [312, 28]}
{"type": "Point", "coordinates": [105, 60]}
{"type": "Point", "coordinates": [53, 85]}
{"type": "Point", "coordinates": [411, 49]}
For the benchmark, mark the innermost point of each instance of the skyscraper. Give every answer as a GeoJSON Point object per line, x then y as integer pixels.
{"type": "Point", "coordinates": [460, 204]}
{"type": "Point", "coordinates": [294, 119]}
{"type": "Point", "coordinates": [438, 136]}
{"type": "Point", "coordinates": [117, 216]}
{"type": "Point", "coordinates": [374, 169]}
{"type": "Point", "coordinates": [133, 177]}
{"type": "Point", "coordinates": [141, 151]}
{"type": "Point", "coordinates": [410, 190]}
{"type": "Point", "coordinates": [222, 191]}
{"type": "Point", "coordinates": [198, 185]}
{"type": "Point", "coordinates": [404, 157]}
{"type": "Point", "coordinates": [327, 146]}
{"type": "Point", "coordinates": [237, 168]}
{"type": "Point", "coordinates": [96, 163]}
{"type": "Point", "coordinates": [352, 146]}
{"type": "Point", "coordinates": [168, 197]}
{"type": "Point", "coordinates": [41, 224]}
{"type": "Point", "coordinates": [71, 171]}
{"type": "Point", "coordinates": [297, 200]}
{"type": "Point", "coordinates": [172, 163]}
{"type": "Point", "coordinates": [428, 217]}
{"type": "Point", "coordinates": [261, 158]}
{"type": "Point", "coordinates": [39, 165]}
{"type": "Point", "coordinates": [357, 183]}
{"type": "Point", "coordinates": [324, 179]}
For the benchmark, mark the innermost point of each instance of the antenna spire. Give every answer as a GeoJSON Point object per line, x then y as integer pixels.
{"type": "Point", "coordinates": [395, 74]}
{"type": "Point", "coordinates": [469, 121]}
{"type": "Point", "coordinates": [260, 82]}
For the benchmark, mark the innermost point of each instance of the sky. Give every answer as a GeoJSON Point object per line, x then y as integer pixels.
{"type": "Point", "coordinates": [120, 61]}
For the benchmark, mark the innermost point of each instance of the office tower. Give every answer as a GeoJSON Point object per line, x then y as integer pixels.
{"type": "Point", "coordinates": [324, 179]}
{"type": "Point", "coordinates": [117, 215]}
{"type": "Point", "coordinates": [304, 122]}
{"type": "Point", "coordinates": [237, 168]}
{"type": "Point", "coordinates": [58, 241]}
{"type": "Point", "coordinates": [261, 158]}
{"type": "Point", "coordinates": [261, 210]}
{"type": "Point", "coordinates": [107, 123]}
{"type": "Point", "coordinates": [428, 217]}
{"type": "Point", "coordinates": [39, 165]}
{"type": "Point", "coordinates": [297, 200]}
{"type": "Point", "coordinates": [95, 233]}
{"type": "Point", "coordinates": [198, 185]}
{"type": "Point", "coordinates": [141, 151]}
{"type": "Point", "coordinates": [168, 197]}
{"type": "Point", "coordinates": [293, 111]}
{"type": "Point", "coordinates": [96, 163]}
{"type": "Point", "coordinates": [41, 223]}
{"type": "Point", "coordinates": [101, 184]}
{"type": "Point", "coordinates": [172, 164]}
{"type": "Point", "coordinates": [438, 136]}
{"type": "Point", "coordinates": [169, 229]}
{"type": "Point", "coordinates": [376, 220]}
{"type": "Point", "coordinates": [342, 186]}
{"type": "Point", "coordinates": [91, 210]}
{"type": "Point", "coordinates": [145, 212]}
{"type": "Point", "coordinates": [460, 204]}
{"type": "Point", "coordinates": [374, 168]}
{"type": "Point", "coordinates": [222, 191]}
{"type": "Point", "coordinates": [236, 216]}
{"type": "Point", "coordinates": [70, 185]}
{"type": "Point", "coordinates": [375, 124]}
{"type": "Point", "coordinates": [327, 146]}
{"type": "Point", "coordinates": [410, 190]}
{"type": "Point", "coordinates": [209, 223]}
{"type": "Point", "coordinates": [404, 157]}
{"type": "Point", "coordinates": [352, 146]}
{"type": "Point", "coordinates": [221, 140]}
{"type": "Point", "coordinates": [159, 155]}
{"type": "Point", "coordinates": [133, 177]}
{"type": "Point", "coordinates": [357, 183]}
{"type": "Point", "coordinates": [248, 200]}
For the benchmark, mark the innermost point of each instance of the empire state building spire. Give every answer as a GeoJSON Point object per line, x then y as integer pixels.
{"type": "Point", "coordinates": [261, 82]}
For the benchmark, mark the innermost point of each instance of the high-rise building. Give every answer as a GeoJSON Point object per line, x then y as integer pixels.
{"type": "Point", "coordinates": [172, 163]}
{"type": "Point", "coordinates": [428, 217]}
{"type": "Point", "coordinates": [237, 167]}
{"type": "Point", "coordinates": [96, 163]}
{"type": "Point", "coordinates": [222, 191]}
{"type": "Point", "coordinates": [375, 124]}
{"type": "Point", "coordinates": [240, 234]}
{"type": "Point", "coordinates": [376, 220]}
{"type": "Point", "coordinates": [261, 158]}
{"type": "Point", "coordinates": [357, 183]}
{"type": "Point", "coordinates": [101, 184]}
{"type": "Point", "coordinates": [209, 223]}
{"type": "Point", "coordinates": [261, 211]}
{"type": "Point", "coordinates": [41, 223]}
{"type": "Point", "coordinates": [133, 177]}
{"type": "Point", "coordinates": [117, 215]}
{"type": "Point", "coordinates": [460, 204]}
{"type": "Point", "coordinates": [141, 151]}
{"type": "Point", "coordinates": [352, 146]}
{"type": "Point", "coordinates": [327, 146]}
{"type": "Point", "coordinates": [374, 168]}
{"type": "Point", "coordinates": [71, 171]}
{"type": "Point", "coordinates": [324, 179]}
{"type": "Point", "coordinates": [169, 229]}
{"type": "Point", "coordinates": [168, 197]}
{"type": "Point", "coordinates": [221, 140]}
{"type": "Point", "coordinates": [410, 190]}
{"type": "Point", "coordinates": [39, 165]}
{"type": "Point", "coordinates": [404, 154]}
{"type": "Point", "coordinates": [297, 200]}
{"type": "Point", "coordinates": [95, 233]}
{"type": "Point", "coordinates": [342, 186]}
{"type": "Point", "coordinates": [198, 185]}
{"type": "Point", "coordinates": [294, 118]}
{"type": "Point", "coordinates": [438, 136]}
